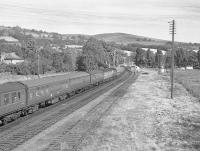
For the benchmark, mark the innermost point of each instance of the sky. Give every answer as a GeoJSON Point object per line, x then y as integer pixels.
{"type": "Point", "coordinates": [139, 17]}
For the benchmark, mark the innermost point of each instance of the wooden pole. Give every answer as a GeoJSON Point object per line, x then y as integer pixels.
{"type": "Point", "coordinates": [38, 63]}
{"type": "Point", "coordinates": [172, 60]}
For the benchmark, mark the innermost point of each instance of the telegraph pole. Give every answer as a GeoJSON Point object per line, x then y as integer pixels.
{"type": "Point", "coordinates": [172, 31]}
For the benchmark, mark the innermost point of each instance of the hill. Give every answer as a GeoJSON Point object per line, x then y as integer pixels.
{"type": "Point", "coordinates": [21, 35]}
{"type": "Point", "coordinates": [123, 38]}
{"type": "Point", "coordinates": [141, 41]}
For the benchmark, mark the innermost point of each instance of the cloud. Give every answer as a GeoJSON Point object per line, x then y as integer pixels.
{"type": "Point", "coordinates": [143, 17]}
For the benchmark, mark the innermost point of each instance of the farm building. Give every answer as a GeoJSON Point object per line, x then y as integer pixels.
{"type": "Point", "coordinates": [11, 58]}
{"type": "Point", "coordinates": [154, 50]}
{"type": "Point", "coordinates": [10, 40]}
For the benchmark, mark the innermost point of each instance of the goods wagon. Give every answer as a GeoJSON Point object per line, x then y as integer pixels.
{"type": "Point", "coordinates": [135, 68]}
{"type": "Point", "coordinates": [20, 98]}
{"type": "Point", "coordinates": [109, 73]}
{"type": "Point", "coordinates": [96, 77]}
{"type": "Point", "coordinates": [79, 80]}
{"type": "Point", "coordinates": [46, 89]}
{"type": "Point", "coordinates": [12, 98]}
{"type": "Point", "coordinates": [120, 70]}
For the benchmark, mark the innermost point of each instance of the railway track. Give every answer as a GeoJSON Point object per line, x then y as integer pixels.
{"type": "Point", "coordinates": [70, 138]}
{"type": "Point", "coordinates": [24, 129]}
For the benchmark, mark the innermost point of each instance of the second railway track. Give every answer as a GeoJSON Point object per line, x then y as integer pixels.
{"type": "Point", "coordinates": [15, 135]}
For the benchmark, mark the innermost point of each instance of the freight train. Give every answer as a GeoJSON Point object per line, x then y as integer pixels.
{"type": "Point", "coordinates": [24, 97]}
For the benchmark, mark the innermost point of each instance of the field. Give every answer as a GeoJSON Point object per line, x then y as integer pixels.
{"type": "Point", "coordinates": [190, 79]}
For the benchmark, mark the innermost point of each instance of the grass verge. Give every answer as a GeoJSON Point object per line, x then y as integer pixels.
{"type": "Point", "coordinates": [190, 79]}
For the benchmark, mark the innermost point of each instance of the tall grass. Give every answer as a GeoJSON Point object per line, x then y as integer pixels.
{"type": "Point", "coordinates": [190, 79]}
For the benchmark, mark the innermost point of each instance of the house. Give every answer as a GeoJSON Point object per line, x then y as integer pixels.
{"type": "Point", "coordinates": [154, 50]}
{"type": "Point", "coordinates": [128, 53]}
{"type": "Point", "coordinates": [44, 35]}
{"type": "Point", "coordinates": [34, 34]}
{"type": "Point", "coordinates": [10, 40]}
{"type": "Point", "coordinates": [11, 58]}
{"type": "Point", "coordinates": [74, 46]}
{"type": "Point", "coordinates": [195, 50]}
{"type": "Point", "coordinates": [189, 67]}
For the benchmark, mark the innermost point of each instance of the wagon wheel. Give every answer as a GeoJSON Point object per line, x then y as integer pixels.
{"type": "Point", "coordinates": [24, 113]}
{"type": "Point", "coordinates": [4, 122]}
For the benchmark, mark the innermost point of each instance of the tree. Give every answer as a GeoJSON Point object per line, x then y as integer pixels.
{"type": "Point", "coordinates": [67, 63]}
{"type": "Point", "coordinates": [158, 58]}
{"type": "Point", "coordinates": [57, 62]}
{"type": "Point", "coordinates": [86, 63]}
{"type": "Point", "coordinates": [94, 54]}
{"type": "Point", "coordinates": [140, 59]}
{"type": "Point", "coordinates": [198, 56]}
{"type": "Point", "coordinates": [192, 58]}
{"type": "Point", "coordinates": [180, 58]}
{"type": "Point", "coordinates": [150, 58]}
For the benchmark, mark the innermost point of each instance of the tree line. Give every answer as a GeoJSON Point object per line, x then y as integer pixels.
{"type": "Point", "coordinates": [182, 58]}
{"type": "Point", "coordinates": [49, 61]}
{"type": "Point", "coordinates": [96, 54]}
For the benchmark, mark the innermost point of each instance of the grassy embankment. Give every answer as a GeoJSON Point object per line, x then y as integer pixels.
{"type": "Point", "coordinates": [190, 79]}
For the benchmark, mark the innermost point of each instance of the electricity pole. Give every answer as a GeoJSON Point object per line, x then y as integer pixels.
{"type": "Point", "coordinates": [172, 31]}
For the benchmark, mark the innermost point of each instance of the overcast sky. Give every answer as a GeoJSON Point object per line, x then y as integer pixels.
{"type": "Point", "coordinates": [140, 17]}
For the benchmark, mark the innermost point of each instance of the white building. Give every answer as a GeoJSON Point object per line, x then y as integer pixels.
{"type": "Point", "coordinates": [35, 35]}
{"type": "Point", "coordinates": [11, 58]}
{"type": "Point", "coordinates": [189, 67]}
{"type": "Point", "coordinates": [74, 46]}
{"type": "Point", "coordinates": [154, 50]}
{"type": "Point", "coordinates": [10, 40]}
{"type": "Point", "coordinates": [195, 50]}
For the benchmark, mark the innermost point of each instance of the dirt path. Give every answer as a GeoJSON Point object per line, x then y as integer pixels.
{"type": "Point", "coordinates": [146, 119]}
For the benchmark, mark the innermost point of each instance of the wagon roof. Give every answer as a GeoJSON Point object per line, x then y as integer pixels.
{"type": "Point", "coordinates": [51, 79]}
{"type": "Point", "coordinates": [11, 86]}
{"type": "Point", "coordinates": [109, 69]}
{"type": "Point", "coordinates": [95, 71]}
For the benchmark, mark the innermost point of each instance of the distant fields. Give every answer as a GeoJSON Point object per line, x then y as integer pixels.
{"type": "Point", "coordinates": [190, 79]}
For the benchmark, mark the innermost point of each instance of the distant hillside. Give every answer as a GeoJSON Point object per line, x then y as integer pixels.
{"type": "Point", "coordinates": [141, 41]}
{"type": "Point", "coordinates": [123, 38]}
{"type": "Point", "coordinates": [8, 34]}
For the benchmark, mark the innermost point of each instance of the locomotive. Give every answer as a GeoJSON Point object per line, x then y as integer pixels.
{"type": "Point", "coordinates": [24, 97]}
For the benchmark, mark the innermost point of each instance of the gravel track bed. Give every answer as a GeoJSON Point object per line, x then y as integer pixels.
{"type": "Point", "coordinates": [70, 139]}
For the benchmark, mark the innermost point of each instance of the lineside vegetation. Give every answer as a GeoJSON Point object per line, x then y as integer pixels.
{"type": "Point", "coordinates": [190, 79]}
